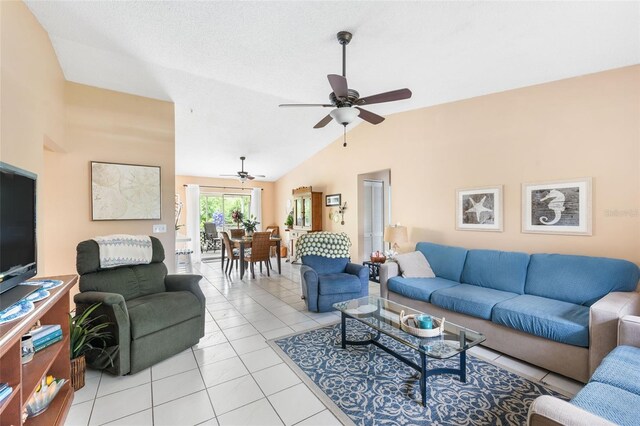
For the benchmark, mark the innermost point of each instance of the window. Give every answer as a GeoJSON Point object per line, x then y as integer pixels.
{"type": "Point", "coordinates": [217, 208]}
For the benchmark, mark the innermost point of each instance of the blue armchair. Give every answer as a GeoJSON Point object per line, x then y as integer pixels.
{"type": "Point", "coordinates": [326, 281]}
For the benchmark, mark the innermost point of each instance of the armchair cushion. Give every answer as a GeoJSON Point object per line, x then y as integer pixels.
{"type": "Point", "coordinates": [609, 402]}
{"type": "Point", "coordinates": [621, 368]}
{"type": "Point", "coordinates": [326, 265]}
{"type": "Point", "coordinates": [159, 311]}
{"type": "Point", "coordinates": [418, 288]}
{"type": "Point", "coordinates": [129, 281]}
{"type": "Point", "coordinates": [338, 283]}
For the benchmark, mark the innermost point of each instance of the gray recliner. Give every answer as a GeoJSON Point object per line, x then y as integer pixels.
{"type": "Point", "coordinates": [153, 315]}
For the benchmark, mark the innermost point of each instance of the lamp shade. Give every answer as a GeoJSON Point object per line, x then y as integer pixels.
{"type": "Point", "coordinates": [395, 234]}
{"type": "Point", "coordinates": [344, 115]}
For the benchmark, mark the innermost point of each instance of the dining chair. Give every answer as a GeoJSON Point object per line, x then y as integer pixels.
{"type": "Point", "coordinates": [260, 245]}
{"type": "Point", "coordinates": [275, 232]}
{"type": "Point", "coordinates": [233, 254]}
{"type": "Point", "coordinates": [237, 233]}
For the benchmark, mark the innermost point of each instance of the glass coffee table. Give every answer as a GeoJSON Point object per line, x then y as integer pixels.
{"type": "Point", "coordinates": [383, 317]}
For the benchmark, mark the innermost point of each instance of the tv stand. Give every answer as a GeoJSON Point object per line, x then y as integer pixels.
{"type": "Point", "coordinates": [53, 360]}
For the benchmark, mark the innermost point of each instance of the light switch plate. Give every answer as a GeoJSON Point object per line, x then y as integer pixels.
{"type": "Point", "coordinates": [160, 228]}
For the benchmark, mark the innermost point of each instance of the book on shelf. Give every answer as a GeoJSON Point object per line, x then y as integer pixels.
{"type": "Point", "coordinates": [47, 343]}
{"type": "Point", "coordinates": [5, 392]}
{"type": "Point", "coordinates": [43, 331]}
{"type": "Point", "coordinates": [45, 339]}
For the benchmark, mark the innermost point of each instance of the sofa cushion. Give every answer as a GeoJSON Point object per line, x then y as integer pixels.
{"type": "Point", "coordinates": [338, 283]}
{"type": "Point", "coordinates": [418, 288]}
{"type": "Point", "coordinates": [612, 403]}
{"type": "Point", "coordinates": [579, 279]}
{"type": "Point", "coordinates": [621, 368]}
{"type": "Point", "coordinates": [446, 261]}
{"type": "Point", "coordinates": [155, 312]}
{"type": "Point", "coordinates": [414, 265]}
{"type": "Point", "coordinates": [470, 299]}
{"type": "Point", "coordinates": [326, 265]}
{"type": "Point", "coordinates": [500, 270]}
{"type": "Point", "coordinates": [549, 318]}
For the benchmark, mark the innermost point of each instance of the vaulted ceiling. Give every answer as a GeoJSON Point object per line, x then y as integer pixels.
{"type": "Point", "coordinates": [227, 65]}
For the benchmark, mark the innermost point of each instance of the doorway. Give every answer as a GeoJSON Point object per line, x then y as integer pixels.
{"type": "Point", "coordinates": [216, 208]}
{"type": "Point", "coordinates": [374, 203]}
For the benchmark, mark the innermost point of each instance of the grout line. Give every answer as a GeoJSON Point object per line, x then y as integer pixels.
{"type": "Point", "coordinates": [95, 396]}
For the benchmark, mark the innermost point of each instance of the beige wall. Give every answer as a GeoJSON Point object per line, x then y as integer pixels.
{"type": "Point", "coordinates": [54, 129]}
{"type": "Point", "coordinates": [583, 126]}
{"type": "Point", "coordinates": [268, 213]}
{"type": "Point", "coordinates": [31, 98]}
{"type": "Point", "coordinates": [103, 125]}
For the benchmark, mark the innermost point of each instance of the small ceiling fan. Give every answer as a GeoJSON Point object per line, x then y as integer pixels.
{"type": "Point", "coordinates": [347, 102]}
{"type": "Point", "coordinates": [242, 175]}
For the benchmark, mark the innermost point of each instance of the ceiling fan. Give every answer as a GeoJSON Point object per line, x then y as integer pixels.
{"type": "Point", "coordinates": [242, 175]}
{"type": "Point", "coordinates": [347, 102]}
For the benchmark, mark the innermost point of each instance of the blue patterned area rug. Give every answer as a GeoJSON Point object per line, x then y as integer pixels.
{"type": "Point", "coordinates": [371, 387]}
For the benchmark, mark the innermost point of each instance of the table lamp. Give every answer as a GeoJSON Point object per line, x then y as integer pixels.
{"type": "Point", "coordinates": [395, 235]}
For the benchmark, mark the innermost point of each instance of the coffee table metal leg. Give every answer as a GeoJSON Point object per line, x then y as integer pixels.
{"type": "Point", "coordinates": [344, 330]}
{"type": "Point", "coordinates": [423, 378]}
{"type": "Point", "coordinates": [463, 366]}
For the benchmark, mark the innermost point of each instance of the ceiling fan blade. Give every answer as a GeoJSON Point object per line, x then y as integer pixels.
{"type": "Point", "coordinates": [370, 117]}
{"type": "Point", "coordinates": [250, 177]}
{"type": "Point", "coordinates": [339, 85]}
{"type": "Point", "coordinates": [304, 105]}
{"type": "Point", "coordinates": [230, 175]}
{"type": "Point", "coordinates": [394, 95]}
{"type": "Point", "coordinates": [259, 176]}
{"type": "Point", "coordinates": [323, 122]}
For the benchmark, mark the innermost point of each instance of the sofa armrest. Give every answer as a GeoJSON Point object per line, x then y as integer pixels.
{"type": "Point", "coordinates": [387, 270]}
{"type": "Point", "coordinates": [115, 358]}
{"type": "Point", "coordinates": [629, 331]}
{"type": "Point", "coordinates": [186, 282]}
{"type": "Point", "coordinates": [309, 284]}
{"type": "Point", "coordinates": [603, 323]}
{"type": "Point", "coordinates": [549, 411]}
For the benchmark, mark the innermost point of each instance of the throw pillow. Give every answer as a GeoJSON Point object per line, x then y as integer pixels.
{"type": "Point", "coordinates": [414, 265]}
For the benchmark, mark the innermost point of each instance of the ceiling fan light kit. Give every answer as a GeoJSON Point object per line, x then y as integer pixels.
{"type": "Point", "coordinates": [347, 101]}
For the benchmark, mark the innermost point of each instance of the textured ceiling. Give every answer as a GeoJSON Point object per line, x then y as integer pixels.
{"type": "Point", "coordinates": [227, 65]}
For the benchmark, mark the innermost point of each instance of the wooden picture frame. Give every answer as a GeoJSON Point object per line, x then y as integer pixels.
{"type": "Point", "coordinates": [558, 207]}
{"type": "Point", "coordinates": [332, 200]}
{"type": "Point", "coordinates": [479, 209]}
{"type": "Point", "coordinates": [125, 191]}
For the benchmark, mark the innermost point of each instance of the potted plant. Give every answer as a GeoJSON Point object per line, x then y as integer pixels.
{"type": "Point", "coordinates": [237, 217]}
{"type": "Point", "coordinates": [84, 336]}
{"type": "Point", "coordinates": [289, 222]}
{"type": "Point", "coordinates": [250, 225]}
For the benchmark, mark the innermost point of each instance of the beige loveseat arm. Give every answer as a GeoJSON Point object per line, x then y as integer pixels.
{"type": "Point", "coordinates": [387, 270]}
{"type": "Point", "coordinates": [603, 323]}
{"type": "Point", "coordinates": [629, 331]}
{"type": "Point", "coordinates": [549, 411]}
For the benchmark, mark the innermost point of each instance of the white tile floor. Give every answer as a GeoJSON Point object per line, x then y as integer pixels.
{"type": "Point", "coordinates": [232, 377]}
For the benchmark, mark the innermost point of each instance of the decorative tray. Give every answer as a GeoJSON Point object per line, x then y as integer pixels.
{"type": "Point", "coordinates": [405, 320]}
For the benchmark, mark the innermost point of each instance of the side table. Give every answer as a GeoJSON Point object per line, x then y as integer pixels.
{"type": "Point", "coordinates": [374, 270]}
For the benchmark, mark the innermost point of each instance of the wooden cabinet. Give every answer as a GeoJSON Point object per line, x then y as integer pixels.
{"type": "Point", "coordinates": [53, 360]}
{"type": "Point", "coordinates": [307, 209]}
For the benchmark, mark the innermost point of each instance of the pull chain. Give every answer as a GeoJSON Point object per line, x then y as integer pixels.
{"type": "Point", "coordinates": [344, 138]}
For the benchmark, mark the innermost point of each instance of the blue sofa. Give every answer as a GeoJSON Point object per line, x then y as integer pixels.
{"type": "Point", "coordinates": [612, 395]}
{"type": "Point", "coordinates": [556, 311]}
{"type": "Point", "coordinates": [326, 281]}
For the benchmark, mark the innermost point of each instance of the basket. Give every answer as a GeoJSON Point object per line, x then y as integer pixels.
{"type": "Point", "coordinates": [379, 259]}
{"type": "Point", "coordinates": [421, 332]}
{"type": "Point", "coordinates": [78, 368]}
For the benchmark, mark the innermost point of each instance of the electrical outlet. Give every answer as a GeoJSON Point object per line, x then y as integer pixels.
{"type": "Point", "coordinates": [160, 228]}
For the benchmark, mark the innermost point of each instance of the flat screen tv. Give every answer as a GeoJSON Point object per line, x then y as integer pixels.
{"type": "Point", "coordinates": [17, 226]}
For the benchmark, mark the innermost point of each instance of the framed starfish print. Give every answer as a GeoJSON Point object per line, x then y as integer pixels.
{"type": "Point", "coordinates": [560, 207]}
{"type": "Point", "coordinates": [479, 209]}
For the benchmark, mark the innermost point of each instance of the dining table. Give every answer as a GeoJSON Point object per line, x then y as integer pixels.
{"type": "Point", "coordinates": [245, 242]}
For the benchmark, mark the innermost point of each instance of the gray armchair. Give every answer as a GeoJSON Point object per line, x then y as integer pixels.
{"type": "Point", "coordinates": [153, 315]}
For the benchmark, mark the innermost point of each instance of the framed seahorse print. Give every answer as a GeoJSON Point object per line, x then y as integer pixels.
{"type": "Point", "coordinates": [560, 207]}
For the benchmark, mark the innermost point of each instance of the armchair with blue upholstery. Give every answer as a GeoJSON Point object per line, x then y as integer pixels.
{"type": "Point", "coordinates": [328, 280]}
